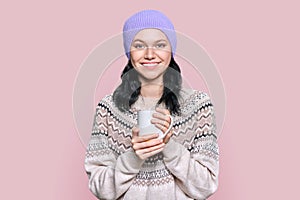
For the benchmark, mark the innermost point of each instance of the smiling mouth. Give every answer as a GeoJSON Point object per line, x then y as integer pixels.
{"type": "Point", "coordinates": [150, 64]}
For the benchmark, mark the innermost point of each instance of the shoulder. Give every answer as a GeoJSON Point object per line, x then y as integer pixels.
{"type": "Point", "coordinates": [193, 96]}
{"type": "Point", "coordinates": [106, 101]}
{"type": "Point", "coordinates": [107, 105]}
{"type": "Point", "coordinates": [192, 100]}
{"type": "Point", "coordinates": [104, 105]}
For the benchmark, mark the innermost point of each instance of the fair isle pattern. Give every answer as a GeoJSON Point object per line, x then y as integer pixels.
{"type": "Point", "coordinates": [153, 172]}
{"type": "Point", "coordinates": [154, 182]}
{"type": "Point", "coordinates": [194, 129]}
{"type": "Point", "coordinates": [120, 124]}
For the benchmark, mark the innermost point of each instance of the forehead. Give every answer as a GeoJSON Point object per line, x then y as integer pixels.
{"type": "Point", "coordinates": [150, 35]}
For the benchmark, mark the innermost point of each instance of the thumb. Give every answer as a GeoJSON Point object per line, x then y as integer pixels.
{"type": "Point", "coordinates": [135, 132]}
{"type": "Point", "coordinates": [168, 136]}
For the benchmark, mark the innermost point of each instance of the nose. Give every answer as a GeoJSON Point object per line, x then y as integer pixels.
{"type": "Point", "coordinates": [149, 54]}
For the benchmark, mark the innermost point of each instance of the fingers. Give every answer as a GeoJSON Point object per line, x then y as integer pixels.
{"type": "Point", "coordinates": [162, 111]}
{"type": "Point", "coordinates": [162, 123]}
{"type": "Point", "coordinates": [161, 119]}
{"type": "Point", "coordinates": [150, 149]}
{"type": "Point", "coordinates": [145, 141]}
{"type": "Point", "coordinates": [162, 114]}
{"type": "Point", "coordinates": [137, 138]}
{"type": "Point", "coordinates": [144, 155]}
{"type": "Point", "coordinates": [168, 136]}
{"type": "Point", "coordinates": [135, 132]}
{"type": "Point", "coordinates": [147, 144]}
{"type": "Point", "coordinates": [144, 138]}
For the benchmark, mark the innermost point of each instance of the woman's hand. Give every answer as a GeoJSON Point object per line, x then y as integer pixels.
{"type": "Point", "coordinates": [147, 145]}
{"type": "Point", "coordinates": [162, 120]}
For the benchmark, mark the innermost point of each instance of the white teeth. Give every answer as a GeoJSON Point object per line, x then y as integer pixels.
{"type": "Point", "coordinates": [149, 64]}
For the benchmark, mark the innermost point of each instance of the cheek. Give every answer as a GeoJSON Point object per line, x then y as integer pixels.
{"type": "Point", "coordinates": [134, 60]}
{"type": "Point", "coordinates": [166, 56]}
{"type": "Point", "coordinates": [136, 55]}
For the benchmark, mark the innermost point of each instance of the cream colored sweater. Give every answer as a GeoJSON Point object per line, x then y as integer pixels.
{"type": "Point", "coordinates": [187, 168]}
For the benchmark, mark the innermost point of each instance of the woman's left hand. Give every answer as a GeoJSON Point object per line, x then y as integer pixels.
{"type": "Point", "coordinates": [161, 119]}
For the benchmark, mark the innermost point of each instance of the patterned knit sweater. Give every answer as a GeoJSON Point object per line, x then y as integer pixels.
{"type": "Point", "coordinates": [187, 168]}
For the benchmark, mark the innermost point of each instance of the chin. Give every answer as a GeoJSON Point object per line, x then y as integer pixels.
{"type": "Point", "coordinates": [151, 77]}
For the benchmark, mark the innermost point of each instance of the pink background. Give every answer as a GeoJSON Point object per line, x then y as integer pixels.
{"type": "Point", "coordinates": [255, 45]}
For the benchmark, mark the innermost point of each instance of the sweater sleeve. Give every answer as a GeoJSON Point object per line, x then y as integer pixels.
{"type": "Point", "coordinates": [195, 168]}
{"type": "Point", "coordinates": [110, 175]}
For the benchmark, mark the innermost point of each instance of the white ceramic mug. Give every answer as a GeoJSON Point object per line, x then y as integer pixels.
{"type": "Point", "coordinates": [146, 127]}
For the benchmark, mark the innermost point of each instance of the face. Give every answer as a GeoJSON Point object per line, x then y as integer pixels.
{"type": "Point", "coordinates": [150, 54]}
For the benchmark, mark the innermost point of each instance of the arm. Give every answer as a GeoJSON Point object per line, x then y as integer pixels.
{"type": "Point", "coordinates": [110, 175]}
{"type": "Point", "coordinates": [196, 169]}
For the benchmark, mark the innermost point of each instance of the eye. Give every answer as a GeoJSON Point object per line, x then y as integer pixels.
{"type": "Point", "coordinates": [160, 45]}
{"type": "Point", "coordinates": [139, 46]}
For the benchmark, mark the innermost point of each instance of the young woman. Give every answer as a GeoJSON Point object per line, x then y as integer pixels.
{"type": "Point", "coordinates": [123, 165]}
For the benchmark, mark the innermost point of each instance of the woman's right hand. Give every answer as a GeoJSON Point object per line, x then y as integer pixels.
{"type": "Point", "coordinates": [147, 145]}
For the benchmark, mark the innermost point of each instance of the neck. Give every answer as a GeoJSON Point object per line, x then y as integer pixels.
{"type": "Point", "coordinates": [152, 90]}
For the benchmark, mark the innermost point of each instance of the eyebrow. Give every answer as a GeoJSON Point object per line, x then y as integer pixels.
{"type": "Point", "coordinates": [161, 40]}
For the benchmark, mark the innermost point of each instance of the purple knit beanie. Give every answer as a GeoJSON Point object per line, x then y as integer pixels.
{"type": "Point", "coordinates": [147, 19]}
